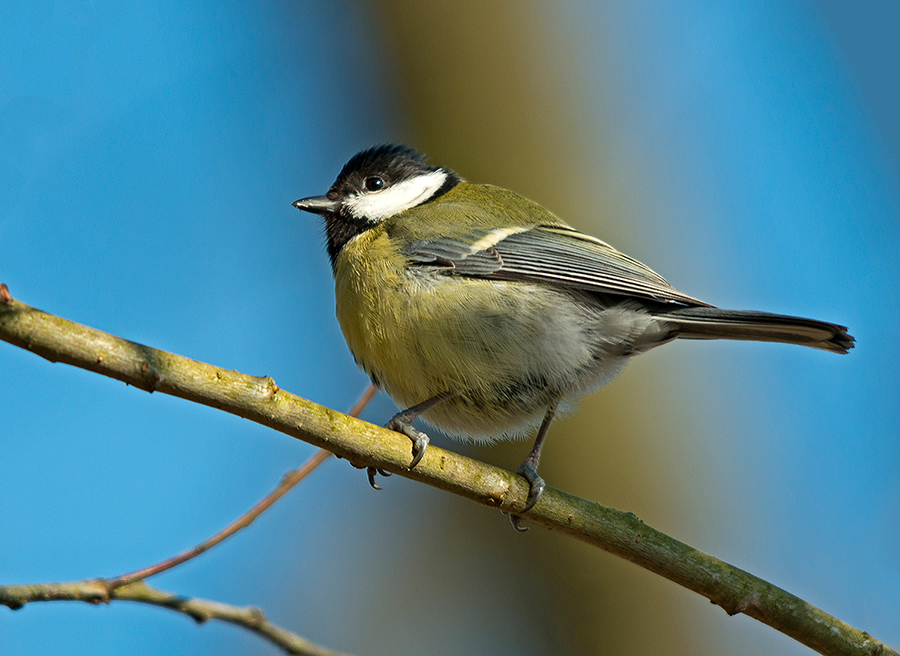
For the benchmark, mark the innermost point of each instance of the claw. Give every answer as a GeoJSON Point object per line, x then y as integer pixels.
{"type": "Point", "coordinates": [420, 443]}
{"type": "Point", "coordinates": [516, 521]}
{"type": "Point", "coordinates": [536, 484]}
{"type": "Point", "coordinates": [370, 472]}
{"type": "Point", "coordinates": [402, 423]}
{"type": "Point", "coordinates": [419, 439]}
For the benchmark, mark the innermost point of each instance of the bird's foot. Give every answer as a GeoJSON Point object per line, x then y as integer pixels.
{"type": "Point", "coordinates": [536, 487]}
{"type": "Point", "coordinates": [401, 424]}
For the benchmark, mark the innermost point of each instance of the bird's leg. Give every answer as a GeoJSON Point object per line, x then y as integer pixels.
{"type": "Point", "coordinates": [528, 470]}
{"type": "Point", "coordinates": [402, 423]}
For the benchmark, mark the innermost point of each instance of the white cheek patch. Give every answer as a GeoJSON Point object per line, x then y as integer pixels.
{"type": "Point", "coordinates": [379, 205]}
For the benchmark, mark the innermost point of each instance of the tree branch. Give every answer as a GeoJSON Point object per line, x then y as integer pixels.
{"type": "Point", "coordinates": [97, 591]}
{"type": "Point", "coordinates": [127, 586]}
{"type": "Point", "coordinates": [260, 400]}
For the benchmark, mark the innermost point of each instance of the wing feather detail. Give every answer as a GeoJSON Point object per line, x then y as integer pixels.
{"type": "Point", "coordinates": [550, 254]}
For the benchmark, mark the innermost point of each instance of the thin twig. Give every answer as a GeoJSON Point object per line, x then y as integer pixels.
{"type": "Point", "coordinates": [130, 587]}
{"type": "Point", "coordinates": [260, 400]}
{"type": "Point", "coordinates": [289, 480]}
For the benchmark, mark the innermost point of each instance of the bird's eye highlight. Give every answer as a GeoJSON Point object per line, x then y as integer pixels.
{"type": "Point", "coordinates": [374, 183]}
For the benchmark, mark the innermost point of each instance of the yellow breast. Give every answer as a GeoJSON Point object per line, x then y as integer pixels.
{"type": "Point", "coordinates": [418, 332]}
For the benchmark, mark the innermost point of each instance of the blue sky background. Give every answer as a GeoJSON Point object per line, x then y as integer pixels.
{"type": "Point", "coordinates": [149, 153]}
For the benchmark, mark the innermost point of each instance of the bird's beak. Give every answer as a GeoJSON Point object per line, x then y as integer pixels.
{"type": "Point", "coordinates": [317, 205]}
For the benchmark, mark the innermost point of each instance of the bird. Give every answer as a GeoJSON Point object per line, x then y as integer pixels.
{"type": "Point", "coordinates": [485, 314]}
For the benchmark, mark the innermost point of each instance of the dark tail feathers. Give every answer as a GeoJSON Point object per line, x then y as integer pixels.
{"type": "Point", "coordinates": [713, 323]}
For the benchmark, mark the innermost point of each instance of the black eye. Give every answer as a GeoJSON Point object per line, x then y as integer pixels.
{"type": "Point", "coordinates": [374, 183]}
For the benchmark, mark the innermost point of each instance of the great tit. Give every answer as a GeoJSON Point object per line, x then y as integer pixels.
{"type": "Point", "coordinates": [485, 314]}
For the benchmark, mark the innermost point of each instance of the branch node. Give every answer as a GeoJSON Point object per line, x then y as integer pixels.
{"type": "Point", "coordinates": [197, 616]}
{"type": "Point", "coordinates": [257, 616]}
{"type": "Point", "coordinates": [151, 376]}
{"type": "Point", "coordinates": [101, 589]}
{"type": "Point", "coordinates": [748, 601]}
{"type": "Point", "coordinates": [268, 387]}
